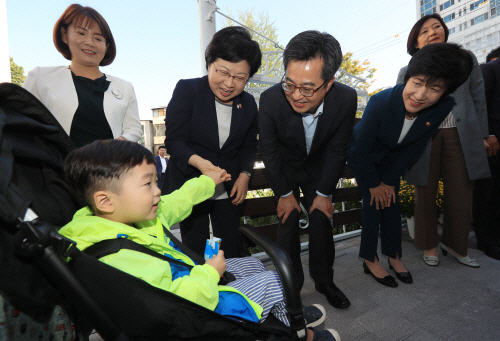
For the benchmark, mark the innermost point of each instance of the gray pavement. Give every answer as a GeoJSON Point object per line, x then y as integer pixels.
{"type": "Point", "coordinates": [448, 302]}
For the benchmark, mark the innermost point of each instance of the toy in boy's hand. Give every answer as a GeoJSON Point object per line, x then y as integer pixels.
{"type": "Point", "coordinates": [212, 247]}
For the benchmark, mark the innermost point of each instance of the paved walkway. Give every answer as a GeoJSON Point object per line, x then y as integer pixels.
{"type": "Point", "coordinates": [448, 302]}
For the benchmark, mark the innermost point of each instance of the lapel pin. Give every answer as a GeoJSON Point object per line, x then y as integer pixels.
{"type": "Point", "coordinates": [240, 106]}
{"type": "Point", "coordinates": [428, 124]}
{"type": "Point", "coordinates": [117, 93]}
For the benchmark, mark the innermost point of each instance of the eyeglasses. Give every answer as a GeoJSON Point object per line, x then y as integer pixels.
{"type": "Point", "coordinates": [305, 91]}
{"type": "Point", "coordinates": [226, 75]}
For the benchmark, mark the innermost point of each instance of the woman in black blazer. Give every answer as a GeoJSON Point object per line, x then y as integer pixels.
{"type": "Point", "coordinates": [211, 122]}
{"type": "Point", "coordinates": [393, 132]}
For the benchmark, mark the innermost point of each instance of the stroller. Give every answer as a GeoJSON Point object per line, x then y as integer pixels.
{"type": "Point", "coordinates": [35, 201]}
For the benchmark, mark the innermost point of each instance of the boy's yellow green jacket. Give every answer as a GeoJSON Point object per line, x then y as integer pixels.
{"type": "Point", "coordinates": [198, 285]}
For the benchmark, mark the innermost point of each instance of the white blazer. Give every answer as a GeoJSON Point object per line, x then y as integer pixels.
{"type": "Point", "coordinates": [54, 87]}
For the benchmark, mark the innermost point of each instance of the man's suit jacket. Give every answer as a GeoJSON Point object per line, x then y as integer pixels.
{"type": "Point", "coordinates": [472, 126]}
{"type": "Point", "coordinates": [283, 146]}
{"type": "Point", "coordinates": [54, 87]}
{"type": "Point", "coordinates": [375, 137]}
{"type": "Point", "coordinates": [191, 128]}
{"type": "Point", "coordinates": [159, 167]}
{"type": "Point", "coordinates": [491, 76]}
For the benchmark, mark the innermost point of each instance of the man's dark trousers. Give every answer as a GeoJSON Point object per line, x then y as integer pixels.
{"type": "Point", "coordinates": [321, 246]}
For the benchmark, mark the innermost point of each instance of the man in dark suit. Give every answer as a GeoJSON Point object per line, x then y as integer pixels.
{"type": "Point", "coordinates": [161, 165]}
{"type": "Point", "coordinates": [486, 191]}
{"type": "Point", "coordinates": [305, 125]}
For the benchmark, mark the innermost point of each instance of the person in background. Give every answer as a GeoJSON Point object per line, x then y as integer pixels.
{"type": "Point", "coordinates": [161, 165]}
{"type": "Point", "coordinates": [305, 125]}
{"type": "Point", "coordinates": [493, 55]}
{"type": "Point", "coordinates": [486, 203]}
{"type": "Point", "coordinates": [396, 126]}
{"type": "Point", "coordinates": [457, 154]}
{"type": "Point", "coordinates": [88, 104]}
{"type": "Point", "coordinates": [211, 121]}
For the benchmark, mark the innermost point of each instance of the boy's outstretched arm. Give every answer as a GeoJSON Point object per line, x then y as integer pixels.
{"type": "Point", "coordinates": [178, 205]}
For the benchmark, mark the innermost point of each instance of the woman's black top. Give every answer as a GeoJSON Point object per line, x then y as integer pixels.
{"type": "Point", "coordinates": [90, 123]}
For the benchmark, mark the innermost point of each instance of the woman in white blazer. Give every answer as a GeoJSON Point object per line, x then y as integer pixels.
{"type": "Point", "coordinates": [88, 104]}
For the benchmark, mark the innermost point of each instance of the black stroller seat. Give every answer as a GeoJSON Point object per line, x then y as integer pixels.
{"type": "Point", "coordinates": [35, 201]}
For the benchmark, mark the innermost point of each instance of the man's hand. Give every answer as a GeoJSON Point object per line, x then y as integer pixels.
{"type": "Point", "coordinates": [380, 197]}
{"type": "Point", "coordinates": [218, 262]}
{"type": "Point", "coordinates": [240, 188]}
{"type": "Point", "coordinates": [492, 141]}
{"type": "Point", "coordinates": [324, 204]}
{"type": "Point", "coordinates": [286, 205]}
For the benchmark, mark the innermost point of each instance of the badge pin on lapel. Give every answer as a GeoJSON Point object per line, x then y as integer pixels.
{"type": "Point", "coordinates": [428, 124]}
{"type": "Point", "coordinates": [240, 106]}
{"type": "Point", "coordinates": [117, 93]}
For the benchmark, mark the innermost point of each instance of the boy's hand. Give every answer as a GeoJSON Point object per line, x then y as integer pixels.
{"type": "Point", "coordinates": [218, 262]}
{"type": "Point", "coordinates": [218, 175]}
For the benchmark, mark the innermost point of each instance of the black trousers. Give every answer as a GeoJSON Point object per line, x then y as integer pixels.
{"type": "Point", "coordinates": [486, 200]}
{"type": "Point", "coordinates": [321, 246]}
{"type": "Point", "coordinates": [225, 219]}
{"type": "Point", "coordinates": [387, 220]}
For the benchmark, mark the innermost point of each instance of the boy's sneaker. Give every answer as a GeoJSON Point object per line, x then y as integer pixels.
{"type": "Point", "coordinates": [325, 335]}
{"type": "Point", "coordinates": [314, 315]}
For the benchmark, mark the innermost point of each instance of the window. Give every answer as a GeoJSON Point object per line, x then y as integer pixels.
{"type": "Point", "coordinates": [490, 39]}
{"type": "Point", "coordinates": [478, 44]}
{"type": "Point", "coordinates": [460, 13]}
{"type": "Point", "coordinates": [465, 25]}
{"type": "Point", "coordinates": [452, 30]}
{"type": "Point", "coordinates": [155, 112]}
{"type": "Point", "coordinates": [159, 129]}
{"type": "Point", "coordinates": [449, 17]}
{"type": "Point", "coordinates": [460, 27]}
{"type": "Point", "coordinates": [467, 46]}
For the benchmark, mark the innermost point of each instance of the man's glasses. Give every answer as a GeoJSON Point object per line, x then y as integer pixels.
{"type": "Point", "coordinates": [226, 75]}
{"type": "Point", "coordinates": [304, 90]}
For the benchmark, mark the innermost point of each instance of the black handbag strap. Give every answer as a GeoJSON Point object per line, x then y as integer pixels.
{"type": "Point", "coordinates": [111, 246]}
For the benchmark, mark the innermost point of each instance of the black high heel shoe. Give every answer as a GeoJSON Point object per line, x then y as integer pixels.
{"type": "Point", "coordinates": [404, 277]}
{"type": "Point", "coordinates": [387, 280]}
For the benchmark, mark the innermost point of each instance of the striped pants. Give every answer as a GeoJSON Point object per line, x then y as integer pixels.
{"type": "Point", "coordinates": [259, 285]}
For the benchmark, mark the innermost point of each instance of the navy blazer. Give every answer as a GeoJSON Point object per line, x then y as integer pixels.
{"type": "Point", "coordinates": [159, 167]}
{"type": "Point", "coordinates": [282, 141]}
{"type": "Point", "coordinates": [375, 137]}
{"type": "Point", "coordinates": [191, 128]}
{"type": "Point", "coordinates": [491, 76]}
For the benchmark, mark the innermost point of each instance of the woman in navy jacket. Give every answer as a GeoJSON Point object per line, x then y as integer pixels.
{"type": "Point", "coordinates": [394, 130]}
{"type": "Point", "coordinates": [211, 122]}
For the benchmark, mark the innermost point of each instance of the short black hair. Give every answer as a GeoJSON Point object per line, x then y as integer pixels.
{"type": "Point", "coordinates": [95, 166]}
{"type": "Point", "coordinates": [160, 147]}
{"type": "Point", "coordinates": [495, 53]}
{"type": "Point", "coordinates": [309, 45]}
{"type": "Point", "coordinates": [447, 62]}
{"type": "Point", "coordinates": [411, 44]}
{"type": "Point", "coordinates": [234, 44]}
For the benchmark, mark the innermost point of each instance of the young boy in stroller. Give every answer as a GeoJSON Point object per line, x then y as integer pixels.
{"type": "Point", "coordinates": [117, 181]}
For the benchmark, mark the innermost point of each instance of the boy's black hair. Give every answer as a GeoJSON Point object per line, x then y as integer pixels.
{"type": "Point", "coordinates": [93, 167]}
{"type": "Point", "coordinates": [495, 53]}
{"type": "Point", "coordinates": [445, 62]}
{"type": "Point", "coordinates": [234, 44]}
{"type": "Point", "coordinates": [312, 44]}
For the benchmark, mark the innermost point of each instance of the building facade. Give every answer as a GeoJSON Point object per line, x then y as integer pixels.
{"type": "Point", "coordinates": [473, 24]}
{"type": "Point", "coordinates": [159, 127]}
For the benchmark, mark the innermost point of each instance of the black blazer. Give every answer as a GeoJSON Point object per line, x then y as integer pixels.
{"type": "Point", "coordinates": [159, 167]}
{"type": "Point", "coordinates": [491, 76]}
{"type": "Point", "coordinates": [375, 137]}
{"type": "Point", "coordinates": [191, 128]}
{"type": "Point", "coordinates": [283, 146]}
